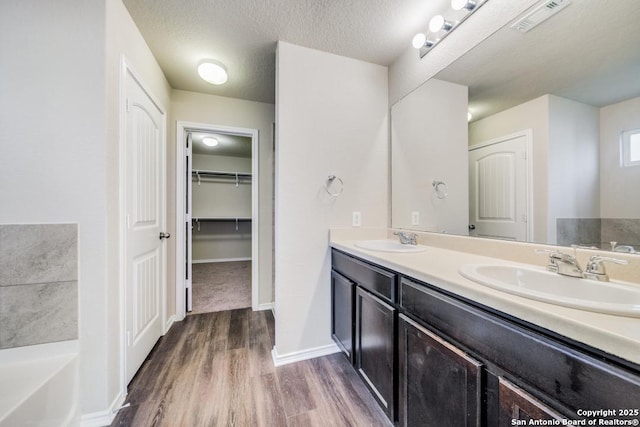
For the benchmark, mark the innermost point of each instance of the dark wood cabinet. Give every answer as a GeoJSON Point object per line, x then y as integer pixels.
{"type": "Point", "coordinates": [342, 318]}
{"type": "Point", "coordinates": [439, 385]}
{"type": "Point", "coordinates": [516, 404]}
{"type": "Point", "coordinates": [375, 347]}
{"type": "Point", "coordinates": [433, 358]}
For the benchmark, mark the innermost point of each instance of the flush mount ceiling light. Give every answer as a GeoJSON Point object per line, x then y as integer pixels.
{"type": "Point", "coordinates": [440, 26]}
{"type": "Point", "coordinates": [213, 72]}
{"type": "Point", "coordinates": [209, 142]}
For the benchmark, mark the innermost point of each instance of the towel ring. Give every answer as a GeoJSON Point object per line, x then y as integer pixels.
{"type": "Point", "coordinates": [440, 188]}
{"type": "Point", "coordinates": [330, 181]}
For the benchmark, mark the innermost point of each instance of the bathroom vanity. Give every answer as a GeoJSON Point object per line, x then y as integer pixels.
{"type": "Point", "coordinates": [432, 353]}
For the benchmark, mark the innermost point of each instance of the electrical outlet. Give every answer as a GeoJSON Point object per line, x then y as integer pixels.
{"type": "Point", "coordinates": [356, 219]}
{"type": "Point", "coordinates": [415, 218]}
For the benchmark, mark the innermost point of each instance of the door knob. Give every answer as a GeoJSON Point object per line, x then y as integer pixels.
{"type": "Point", "coordinates": [164, 235]}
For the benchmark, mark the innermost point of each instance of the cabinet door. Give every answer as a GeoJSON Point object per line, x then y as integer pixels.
{"type": "Point", "coordinates": [439, 385]}
{"type": "Point", "coordinates": [342, 320]}
{"type": "Point", "coordinates": [516, 404]}
{"type": "Point", "coordinates": [375, 351]}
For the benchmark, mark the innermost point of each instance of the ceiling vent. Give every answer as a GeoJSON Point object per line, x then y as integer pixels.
{"type": "Point", "coordinates": [540, 14]}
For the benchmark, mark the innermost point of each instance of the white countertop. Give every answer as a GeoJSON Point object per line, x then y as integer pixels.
{"type": "Point", "coordinates": [616, 335]}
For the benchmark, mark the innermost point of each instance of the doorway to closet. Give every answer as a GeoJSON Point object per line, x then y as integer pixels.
{"type": "Point", "coordinates": [219, 221]}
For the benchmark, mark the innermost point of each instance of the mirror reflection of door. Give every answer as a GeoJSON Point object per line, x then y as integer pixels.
{"type": "Point", "coordinates": [498, 190]}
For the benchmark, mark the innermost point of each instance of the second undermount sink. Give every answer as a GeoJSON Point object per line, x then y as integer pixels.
{"type": "Point", "coordinates": [615, 298]}
{"type": "Point", "coordinates": [384, 245]}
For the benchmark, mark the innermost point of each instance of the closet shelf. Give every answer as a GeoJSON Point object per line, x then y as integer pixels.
{"type": "Point", "coordinates": [237, 220]}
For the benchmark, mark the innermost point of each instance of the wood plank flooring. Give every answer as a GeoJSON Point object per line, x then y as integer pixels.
{"type": "Point", "coordinates": [215, 369]}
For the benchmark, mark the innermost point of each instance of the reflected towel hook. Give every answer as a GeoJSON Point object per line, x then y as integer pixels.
{"type": "Point", "coordinates": [440, 188]}
{"type": "Point", "coordinates": [330, 180]}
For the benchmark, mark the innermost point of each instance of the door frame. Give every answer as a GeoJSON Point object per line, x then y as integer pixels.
{"type": "Point", "coordinates": [183, 128]}
{"type": "Point", "coordinates": [528, 136]}
{"type": "Point", "coordinates": [126, 68]}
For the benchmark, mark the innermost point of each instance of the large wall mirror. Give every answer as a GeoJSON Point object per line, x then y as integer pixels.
{"type": "Point", "coordinates": [551, 153]}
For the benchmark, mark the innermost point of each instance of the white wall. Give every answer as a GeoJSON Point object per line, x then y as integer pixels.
{"type": "Point", "coordinates": [218, 110]}
{"type": "Point", "coordinates": [53, 150]}
{"type": "Point", "coordinates": [574, 179]}
{"type": "Point", "coordinates": [59, 151]}
{"type": "Point", "coordinates": [529, 115]}
{"type": "Point", "coordinates": [332, 119]}
{"type": "Point", "coordinates": [430, 142]}
{"type": "Point", "coordinates": [615, 202]}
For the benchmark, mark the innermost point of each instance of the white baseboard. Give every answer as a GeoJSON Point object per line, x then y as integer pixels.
{"type": "Point", "coordinates": [205, 261]}
{"type": "Point", "coordinates": [170, 321]}
{"type": "Point", "coordinates": [103, 418]}
{"type": "Point", "coordinates": [262, 307]}
{"type": "Point", "coordinates": [298, 356]}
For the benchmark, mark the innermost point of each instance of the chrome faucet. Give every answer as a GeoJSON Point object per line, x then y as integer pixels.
{"type": "Point", "coordinates": [564, 264]}
{"type": "Point", "coordinates": [567, 265]}
{"type": "Point", "coordinates": [407, 238]}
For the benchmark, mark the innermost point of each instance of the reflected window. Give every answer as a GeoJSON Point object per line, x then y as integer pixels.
{"type": "Point", "coordinates": [630, 148]}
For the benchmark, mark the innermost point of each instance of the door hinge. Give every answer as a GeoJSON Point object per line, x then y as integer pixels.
{"type": "Point", "coordinates": [127, 107]}
{"type": "Point", "coordinates": [128, 338]}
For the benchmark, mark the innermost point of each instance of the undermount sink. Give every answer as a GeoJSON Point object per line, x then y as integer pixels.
{"type": "Point", "coordinates": [388, 246]}
{"type": "Point", "coordinates": [602, 297]}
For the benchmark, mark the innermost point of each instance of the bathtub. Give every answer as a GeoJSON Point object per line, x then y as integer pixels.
{"type": "Point", "coordinates": [39, 385]}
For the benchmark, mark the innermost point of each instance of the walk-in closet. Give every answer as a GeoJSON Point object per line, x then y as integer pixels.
{"type": "Point", "coordinates": [219, 242]}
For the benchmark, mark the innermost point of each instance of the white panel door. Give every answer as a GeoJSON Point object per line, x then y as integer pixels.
{"type": "Point", "coordinates": [144, 207]}
{"type": "Point", "coordinates": [498, 190]}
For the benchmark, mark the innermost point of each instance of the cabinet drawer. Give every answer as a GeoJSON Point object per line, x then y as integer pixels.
{"type": "Point", "coordinates": [374, 279]}
{"type": "Point", "coordinates": [566, 375]}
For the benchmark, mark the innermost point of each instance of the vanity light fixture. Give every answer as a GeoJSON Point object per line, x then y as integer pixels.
{"type": "Point", "coordinates": [209, 142]}
{"type": "Point", "coordinates": [440, 26]}
{"type": "Point", "coordinates": [213, 72]}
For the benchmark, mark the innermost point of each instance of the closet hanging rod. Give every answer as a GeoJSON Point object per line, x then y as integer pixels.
{"type": "Point", "coordinates": [232, 218]}
{"type": "Point", "coordinates": [221, 173]}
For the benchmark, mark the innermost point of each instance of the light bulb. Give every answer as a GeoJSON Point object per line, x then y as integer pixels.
{"type": "Point", "coordinates": [469, 116]}
{"type": "Point", "coordinates": [438, 23]}
{"type": "Point", "coordinates": [463, 4]}
{"type": "Point", "coordinates": [213, 73]}
{"type": "Point", "coordinates": [419, 40]}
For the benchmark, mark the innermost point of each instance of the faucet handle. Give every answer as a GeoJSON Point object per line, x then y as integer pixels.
{"type": "Point", "coordinates": [595, 267]}
{"type": "Point", "coordinates": [554, 255]}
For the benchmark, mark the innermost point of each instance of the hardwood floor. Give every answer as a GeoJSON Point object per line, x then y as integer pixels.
{"type": "Point", "coordinates": [215, 369]}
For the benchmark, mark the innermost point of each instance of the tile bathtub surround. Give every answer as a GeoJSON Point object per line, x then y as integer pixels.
{"type": "Point", "coordinates": [598, 232]}
{"type": "Point", "coordinates": [624, 231]}
{"type": "Point", "coordinates": [38, 253]}
{"type": "Point", "coordinates": [38, 284]}
{"type": "Point", "coordinates": [581, 231]}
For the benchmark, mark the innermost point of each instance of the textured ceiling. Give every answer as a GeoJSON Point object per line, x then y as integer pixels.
{"type": "Point", "coordinates": [242, 34]}
{"type": "Point", "coordinates": [588, 52]}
